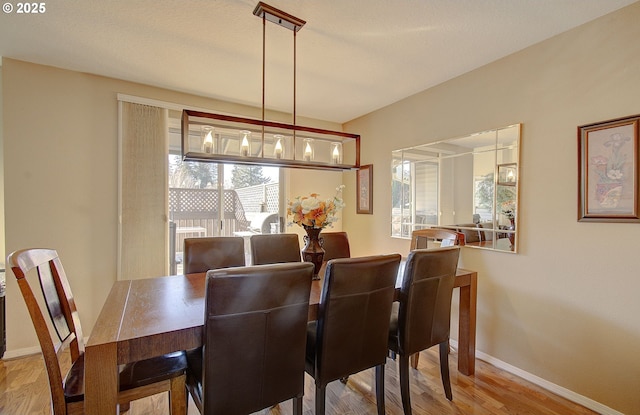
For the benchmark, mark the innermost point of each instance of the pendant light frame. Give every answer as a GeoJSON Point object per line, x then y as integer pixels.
{"type": "Point", "coordinates": [230, 130]}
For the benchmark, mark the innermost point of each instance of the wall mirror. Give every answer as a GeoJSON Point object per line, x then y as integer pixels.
{"type": "Point", "coordinates": [469, 184]}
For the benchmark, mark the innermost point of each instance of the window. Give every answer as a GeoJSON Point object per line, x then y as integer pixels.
{"type": "Point", "coordinates": [213, 199]}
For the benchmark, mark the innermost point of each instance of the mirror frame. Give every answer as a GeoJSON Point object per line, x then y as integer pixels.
{"type": "Point", "coordinates": [428, 179]}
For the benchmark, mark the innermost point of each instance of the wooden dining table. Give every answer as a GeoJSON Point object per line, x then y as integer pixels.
{"type": "Point", "coordinates": [150, 317]}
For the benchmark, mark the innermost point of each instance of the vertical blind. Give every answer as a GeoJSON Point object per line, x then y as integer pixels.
{"type": "Point", "coordinates": [143, 236]}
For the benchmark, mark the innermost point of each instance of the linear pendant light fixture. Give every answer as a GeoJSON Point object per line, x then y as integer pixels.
{"type": "Point", "coordinates": [221, 138]}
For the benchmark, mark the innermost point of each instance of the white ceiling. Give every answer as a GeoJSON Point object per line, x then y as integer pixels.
{"type": "Point", "coordinates": [353, 56]}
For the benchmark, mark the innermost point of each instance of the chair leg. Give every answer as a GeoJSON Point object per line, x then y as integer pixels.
{"type": "Point", "coordinates": [320, 395]}
{"type": "Point", "coordinates": [178, 396]}
{"type": "Point", "coordinates": [404, 384]}
{"type": "Point", "coordinates": [297, 405]}
{"type": "Point", "coordinates": [444, 369]}
{"type": "Point", "coordinates": [380, 389]}
{"type": "Point", "coordinates": [414, 360]}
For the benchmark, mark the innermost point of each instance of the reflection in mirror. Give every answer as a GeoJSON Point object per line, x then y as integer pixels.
{"type": "Point", "coordinates": [469, 184]}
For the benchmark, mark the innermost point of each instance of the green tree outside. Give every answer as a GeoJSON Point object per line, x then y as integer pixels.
{"type": "Point", "coordinates": [192, 174]}
{"type": "Point", "coordinates": [245, 176]}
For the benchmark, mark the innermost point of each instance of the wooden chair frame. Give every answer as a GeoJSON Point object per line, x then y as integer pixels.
{"type": "Point", "coordinates": [63, 315]}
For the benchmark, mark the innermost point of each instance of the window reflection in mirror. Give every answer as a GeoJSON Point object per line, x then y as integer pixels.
{"type": "Point", "coordinates": [469, 184]}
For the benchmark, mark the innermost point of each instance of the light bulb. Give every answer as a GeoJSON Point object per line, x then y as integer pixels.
{"type": "Point", "coordinates": [278, 151]}
{"type": "Point", "coordinates": [244, 145]}
{"type": "Point", "coordinates": [336, 155]}
{"type": "Point", "coordinates": [207, 142]}
{"type": "Point", "coordinates": [308, 151]}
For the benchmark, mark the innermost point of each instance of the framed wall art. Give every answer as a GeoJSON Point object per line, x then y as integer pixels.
{"type": "Point", "coordinates": [364, 186]}
{"type": "Point", "coordinates": [507, 174]}
{"type": "Point", "coordinates": [608, 171]}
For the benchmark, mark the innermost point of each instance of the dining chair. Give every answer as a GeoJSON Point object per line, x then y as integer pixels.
{"type": "Point", "coordinates": [335, 245]}
{"type": "Point", "coordinates": [203, 254]}
{"type": "Point", "coordinates": [254, 339]}
{"type": "Point", "coordinates": [422, 317]}
{"type": "Point", "coordinates": [275, 248]}
{"type": "Point", "coordinates": [137, 380]}
{"type": "Point", "coordinates": [420, 238]}
{"type": "Point", "coordinates": [352, 329]}
{"type": "Point", "coordinates": [444, 237]}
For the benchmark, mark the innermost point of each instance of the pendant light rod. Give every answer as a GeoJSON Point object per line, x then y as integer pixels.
{"type": "Point", "coordinates": [294, 77]}
{"type": "Point", "coordinates": [264, 53]}
{"type": "Point", "coordinates": [287, 21]}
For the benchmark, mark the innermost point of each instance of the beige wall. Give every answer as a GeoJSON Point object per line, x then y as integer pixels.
{"type": "Point", "coordinates": [60, 140]}
{"type": "Point", "coordinates": [566, 307]}
{"type": "Point", "coordinates": [2, 250]}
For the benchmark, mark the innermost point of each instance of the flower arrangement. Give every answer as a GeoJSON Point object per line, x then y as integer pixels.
{"type": "Point", "coordinates": [312, 212]}
{"type": "Point", "coordinates": [509, 209]}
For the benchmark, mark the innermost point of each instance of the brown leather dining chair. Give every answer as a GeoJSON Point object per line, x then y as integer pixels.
{"type": "Point", "coordinates": [137, 380]}
{"type": "Point", "coordinates": [275, 248]}
{"type": "Point", "coordinates": [203, 254]}
{"type": "Point", "coordinates": [420, 238]}
{"type": "Point", "coordinates": [422, 317]}
{"type": "Point", "coordinates": [351, 333]}
{"type": "Point", "coordinates": [335, 245]}
{"type": "Point", "coordinates": [254, 339]}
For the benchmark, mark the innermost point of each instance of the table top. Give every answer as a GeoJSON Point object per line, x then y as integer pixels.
{"type": "Point", "coordinates": [172, 307]}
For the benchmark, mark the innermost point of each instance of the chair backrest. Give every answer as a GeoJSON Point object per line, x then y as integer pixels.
{"type": "Point", "coordinates": [275, 248]}
{"type": "Point", "coordinates": [424, 315]}
{"type": "Point", "coordinates": [353, 315]}
{"type": "Point", "coordinates": [61, 313]}
{"type": "Point", "coordinates": [420, 237]}
{"type": "Point", "coordinates": [255, 336]}
{"type": "Point", "coordinates": [203, 254]}
{"type": "Point", "coordinates": [335, 245]}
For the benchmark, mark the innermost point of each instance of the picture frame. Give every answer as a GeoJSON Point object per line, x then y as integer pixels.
{"type": "Point", "coordinates": [608, 179]}
{"type": "Point", "coordinates": [364, 186]}
{"type": "Point", "coordinates": [507, 174]}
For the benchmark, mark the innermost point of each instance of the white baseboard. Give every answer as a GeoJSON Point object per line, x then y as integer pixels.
{"type": "Point", "coordinates": [13, 354]}
{"type": "Point", "coordinates": [551, 387]}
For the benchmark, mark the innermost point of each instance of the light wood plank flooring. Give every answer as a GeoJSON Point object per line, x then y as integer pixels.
{"type": "Point", "coordinates": [24, 391]}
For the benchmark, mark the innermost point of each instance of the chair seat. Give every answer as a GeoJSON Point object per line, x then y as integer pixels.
{"type": "Point", "coordinates": [310, 356]}
{"type": "Point", "coordinates": [194, 375]}
{"type": "Point", "coordinates": [132, 375]}
{"type": "Point", "coordinates": [393, 327]}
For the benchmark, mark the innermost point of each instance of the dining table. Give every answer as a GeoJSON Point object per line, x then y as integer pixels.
{"type": "Point", "coordinates": [144, 318]}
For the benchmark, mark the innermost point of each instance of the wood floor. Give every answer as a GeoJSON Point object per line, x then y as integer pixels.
{"type": "Point", "coordinates": [24, 391]}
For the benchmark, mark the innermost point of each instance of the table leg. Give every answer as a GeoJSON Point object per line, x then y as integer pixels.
{"type": "Point", "coordinates": [101, 379]}
{"type": "Point", "coordinates": [467, 327]}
